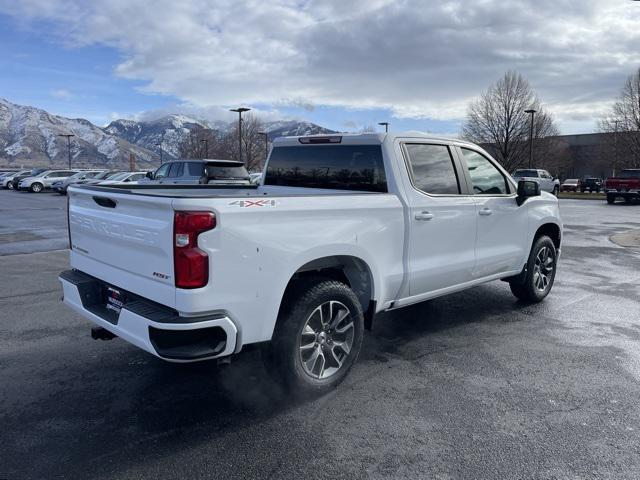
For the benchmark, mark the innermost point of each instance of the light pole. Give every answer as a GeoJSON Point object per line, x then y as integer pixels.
{"type": "Point", "coordinates": [206, 147]}
{"type": "Point", "coordinates": [386, 126]}
{"type": "Point", "coordinates": [615, 146]}
{"type": "Point", "coordinates": [266, 144]}
{"type": "Point", "coordinates": [160, 145]}
{"type": "Point", "coordinates": [68, 135]}
{"type": "Point", "coordinates": [239, 111]}
{"type": "Point", "coordinates": [532, 112]}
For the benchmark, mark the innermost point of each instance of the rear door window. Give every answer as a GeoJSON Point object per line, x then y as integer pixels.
{"type": "Point", "coordinates": [176, 169]}
{"type": "Point", "coordinates": [336, 167]}
{"type": "Point", "coordinates": [431, 169]}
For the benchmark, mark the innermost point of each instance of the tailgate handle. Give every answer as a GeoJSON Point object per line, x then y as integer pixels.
{"type": "Point", "coordinates": [105, 202]}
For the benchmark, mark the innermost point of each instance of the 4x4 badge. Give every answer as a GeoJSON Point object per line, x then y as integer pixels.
{"type": "Point", "coordinates": [253, 203]}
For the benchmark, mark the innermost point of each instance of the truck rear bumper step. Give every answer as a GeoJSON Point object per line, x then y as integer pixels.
{"type": "Point", "coordinates": [156, 329]}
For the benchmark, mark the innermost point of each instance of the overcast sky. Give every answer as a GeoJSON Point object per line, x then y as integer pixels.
{"type": "Point", "coordinates": [342, 64]}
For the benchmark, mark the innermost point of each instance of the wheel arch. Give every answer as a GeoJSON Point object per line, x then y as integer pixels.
{"type": "Point", "coordinates": [347, 268]}
{"type": "Point", "coordinates": [552, 230]}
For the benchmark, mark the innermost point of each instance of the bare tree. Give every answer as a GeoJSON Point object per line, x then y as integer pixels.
{"type": "Point", "coordinates": [208, 143]}
{"type": "Point", "coordinates": [623, 124]}
{"type": "Point", "coordinates": [498, 121]}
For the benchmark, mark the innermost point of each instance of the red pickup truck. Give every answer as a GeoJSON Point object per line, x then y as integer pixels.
{"type": "Point", "coordinates": [625, 185]}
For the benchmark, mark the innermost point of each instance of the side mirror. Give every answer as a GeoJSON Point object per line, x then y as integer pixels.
{"type": "Point", "coordinates": [149, 175]}
{"type": "Point", "coordinates": [527, 189]}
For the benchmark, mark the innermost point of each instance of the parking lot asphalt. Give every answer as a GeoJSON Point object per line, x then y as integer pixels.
{"type": "Point", "coordinates": [32, 222]}
{"type": "Point", "coordinates": [473, 385]}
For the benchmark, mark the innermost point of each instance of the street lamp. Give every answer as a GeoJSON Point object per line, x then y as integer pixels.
{"type": "Point", "coordinates": [386, 126]}
{"type": "Point", "coordinates": [266, 144]}
{"type": "Point", "coordinates": [239, 111]}
{"type": "Point", "coordinates": [615, 146]}
{"type": "Point", "coordinates": [160, 145]}
{"type": "Point", "coordinates": [532, 112]}
{"type": "Point", "coordinates": [206, 147]}
{"type": "Point", "coordinates": [68, 135]}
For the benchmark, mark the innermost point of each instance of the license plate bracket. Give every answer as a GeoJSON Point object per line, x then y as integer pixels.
{"type": "Point", "coordinates": [114, 299]}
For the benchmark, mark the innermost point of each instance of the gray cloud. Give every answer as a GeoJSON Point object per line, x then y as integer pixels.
{"type": "Point", "coordinates": [419, 59]}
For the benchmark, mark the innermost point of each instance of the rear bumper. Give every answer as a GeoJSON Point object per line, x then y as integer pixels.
{"type": "Point", "coordinates": [150, 326]}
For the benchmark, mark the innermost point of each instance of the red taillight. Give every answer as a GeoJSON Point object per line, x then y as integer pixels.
{"type": "Point", "coordinates": [191, 265]}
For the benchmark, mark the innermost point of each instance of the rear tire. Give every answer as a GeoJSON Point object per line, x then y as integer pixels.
{"type": "Point", "coordinates": [541, 272]}
{"type": "Point", "coordinates": [611, 199]}
{"type": "Point", "coordinates": [10, 186]}
{"type": "Point", "coordinates": [317, 337]}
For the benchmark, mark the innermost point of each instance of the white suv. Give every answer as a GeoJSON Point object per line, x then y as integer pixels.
{"type": "Point", "coordinates": [44, 180]}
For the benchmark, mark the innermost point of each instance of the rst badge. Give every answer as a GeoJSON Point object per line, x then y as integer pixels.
{"type": "Point", "coordinates": [253, 203]}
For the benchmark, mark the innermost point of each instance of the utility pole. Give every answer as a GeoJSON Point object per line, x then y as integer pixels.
{"type": "Point", "coordinates": [386, 126]}
{"type": "Point", "coordinates": [615, 146]}
{"type": "Point", "coordinates": [68, 135]}
{"type": "Point", "coordinates": [532, 112]}
{"type": "Point", "coordinates": [239, 111]}
{"type": "Point", "coordinates": [266, 144]}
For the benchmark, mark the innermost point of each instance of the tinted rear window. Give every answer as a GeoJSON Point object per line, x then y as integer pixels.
{"type": "Point", "coordinates": [221, 172]}
{"type": "Point", "coordinates": [195, 169]}
{"type": "Point", "coordinates": [338, 167]}
{"type": "Point", "coordinates": [630, 174]}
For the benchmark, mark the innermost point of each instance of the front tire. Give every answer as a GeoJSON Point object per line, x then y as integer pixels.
{"type": "Point", "coordinates": [541, 272]}
{"type": "Point", "coordinates": [36, 187]}
{"type": "Point", "coordinates": [317, 337]}
{"type": "Point", "coordinates": [556, 190]}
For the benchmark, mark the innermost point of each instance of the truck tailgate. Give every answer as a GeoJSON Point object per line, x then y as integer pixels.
{"type": "Point", "coordinates": [125, 240]}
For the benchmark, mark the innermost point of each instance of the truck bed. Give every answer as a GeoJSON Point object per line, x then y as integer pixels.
{"type": "Point", "coordinates": [214, 191]}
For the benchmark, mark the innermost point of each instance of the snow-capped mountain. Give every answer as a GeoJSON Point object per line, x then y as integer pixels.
{"type": "Point", "coordinates": [172, 130]}
{"type": "Point", "coordinates": [286, 128]}
{"type": "Point", "coordinates": [169, 131]}
{"type": "Point", "coordinates": [30, 136]}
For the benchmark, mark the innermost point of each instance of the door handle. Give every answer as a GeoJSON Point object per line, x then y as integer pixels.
{"type": "Point", "coordinates": [424, 216]}
{"type": "Point", "coordinates": [485, 211]}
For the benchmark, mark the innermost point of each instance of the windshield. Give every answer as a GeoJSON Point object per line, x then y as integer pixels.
{"type": "Point", "coordinates": [36, 171]}
{"type": "Point", "coordinates": [571, 180]}
{"type": "Point", "coordinates": [525, 173]}
{"type": "Point", "coordinates": [630, 174]}
{"type": "Point", "coordinates": [217, 172]}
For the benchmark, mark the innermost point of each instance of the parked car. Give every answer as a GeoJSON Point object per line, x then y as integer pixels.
{"type": "Point", "coordinates": [61, 186]}
{"type": "Point", "coordinates": [571, 185]}
{"type": "Point", "coordinates": [44, 180]}
{"type": "Point", "coordinates": [15, 181]}
{"type": "Point", "coordinates": [591, 184]}
{"type": "Point", "coordinates": [124, 177]}
{"type": "Point", "coordinates": [6, 181]}
{"type": "Point", "coordinates": [190, 172]}
{"type": "Point", "coordinates": [547, 182]}
{"type": "Point", "coordinates": [626, 185]}
{"type": "Point", "coordinates": [341, 227]}
{"type": "Point", "coordinates": [101, 177]}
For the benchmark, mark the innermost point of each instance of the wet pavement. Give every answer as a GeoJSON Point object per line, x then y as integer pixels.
{"type": "Point", "coordinates": [473, 385]}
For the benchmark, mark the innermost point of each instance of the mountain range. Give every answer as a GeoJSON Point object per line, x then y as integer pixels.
{"type": "Point", "coordinates": [30, 137]}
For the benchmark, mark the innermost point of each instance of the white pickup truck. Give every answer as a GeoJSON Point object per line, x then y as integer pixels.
{"type": "Point", "coordinates": [340, 228]}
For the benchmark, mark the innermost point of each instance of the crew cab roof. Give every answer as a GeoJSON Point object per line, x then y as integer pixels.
{"type": "Point", "coordinates": [362, 139]}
